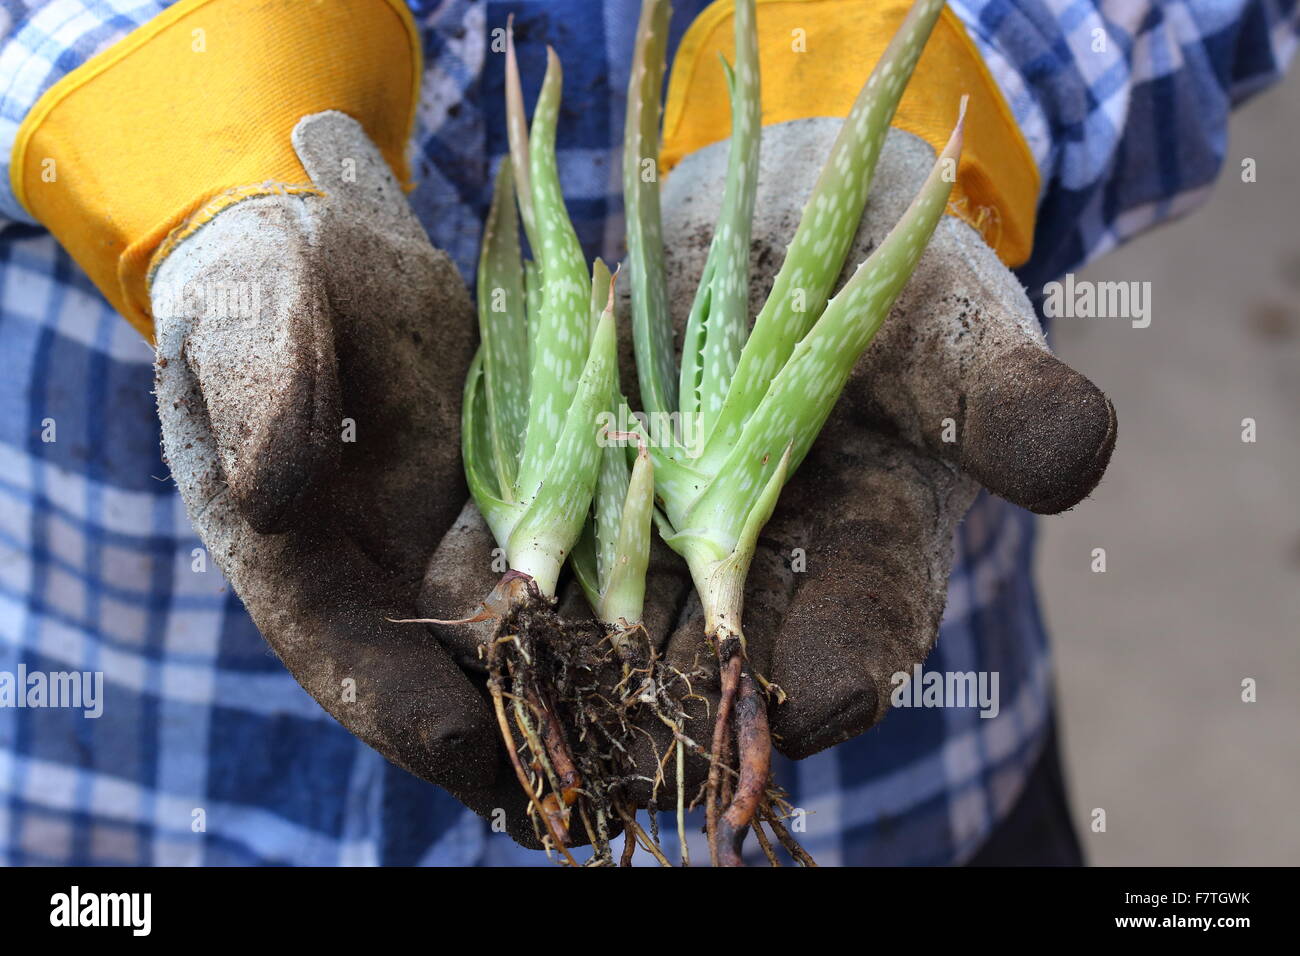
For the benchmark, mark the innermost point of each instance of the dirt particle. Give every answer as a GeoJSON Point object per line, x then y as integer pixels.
{"type": "Point", "coordinates": [1271, 321]}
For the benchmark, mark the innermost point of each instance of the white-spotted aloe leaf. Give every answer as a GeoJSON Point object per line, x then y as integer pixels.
{"type": "Point", "coordinates": [476, 445]}
{"type": "Point", "coordinates": [617, 594]}
{"type": "Point", "coordinates": [546, 532]}
{"type": "Point", "coordinates": [559, 347]}
{"type": "Point", "coordinates": [651, 322]}
{"type": "Point", "coordinates": [623, 595]}
{"type": "Point", "coordinates": [821, 242]}
{"type": "Point", "coordinates": [800, 398]}
{"type": "Point", "coordinates": [503, 333]}
{"type": "Point", "coordinates": [719, 317]}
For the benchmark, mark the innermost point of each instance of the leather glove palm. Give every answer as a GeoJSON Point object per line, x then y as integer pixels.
{"type": "Point", "coordinates": [310, 357]}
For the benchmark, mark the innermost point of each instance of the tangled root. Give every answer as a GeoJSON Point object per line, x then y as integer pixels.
{"type": "Point", "coordinates": [569, 698]}
{"type": "Point", "coordinates": [570, 735]}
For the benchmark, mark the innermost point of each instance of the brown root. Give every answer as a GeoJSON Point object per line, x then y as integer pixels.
{"type": "Point", "coordinates": [790, 844]}
{"type": "Point", "coordinates": [498, 704]}
{"type": "Point", "coordinates": [729, 676]}
{"type": "Point", "coordinates": [754, 748]}
{"type": "Point", "coordinates": [579, 693]}
{"type": "Point", "coordinates": [738, 796]}
{"type": "Point", "coordinates": [578, 697]}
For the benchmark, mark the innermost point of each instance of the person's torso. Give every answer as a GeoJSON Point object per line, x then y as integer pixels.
{"type": "Point", "coordinates": [207, 751]}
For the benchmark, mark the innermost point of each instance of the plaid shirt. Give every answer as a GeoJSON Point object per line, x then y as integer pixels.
{"type": "Point", "coordinates": [208, 751]}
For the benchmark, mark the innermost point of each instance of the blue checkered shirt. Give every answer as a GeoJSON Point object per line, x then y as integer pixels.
{"type": "Point", "coordinates": [208, 751]}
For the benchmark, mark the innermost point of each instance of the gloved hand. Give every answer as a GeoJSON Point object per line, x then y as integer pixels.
{"type": "Point", "coordinates": [875, 503]}
{"type": "Point", "coordinates": [311, 352]}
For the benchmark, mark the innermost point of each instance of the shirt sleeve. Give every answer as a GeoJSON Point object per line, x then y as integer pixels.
{"type": "Point", "coordinates": [1125, 105]}
{"type": "Point", "coordinates": [42, 41]}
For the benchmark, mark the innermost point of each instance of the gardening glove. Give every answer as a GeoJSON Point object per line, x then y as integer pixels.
{"type": "Point", "coordinates": [314, 440]}
{"type": "Point", "coordinates": [311, 344]}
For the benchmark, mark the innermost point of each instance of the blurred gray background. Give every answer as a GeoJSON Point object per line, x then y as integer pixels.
{"type": "Point", "coordinates": [1201, 531]}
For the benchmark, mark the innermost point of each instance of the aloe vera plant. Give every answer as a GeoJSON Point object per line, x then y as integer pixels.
{"type": "Point", "coordinates": [545, 371]}
{"type": "Point", "coordinates": [557, 482]}
{"type": "Point", "coordinates": [528, 436]}
{"type": "Point", "coordinates": [761, 400]}
{"type": "Point", "coordinates": [549, 475]}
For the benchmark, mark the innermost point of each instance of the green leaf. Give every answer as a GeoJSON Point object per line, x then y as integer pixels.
{"type": "Point", "coordinates": [623, 599]}
{"type": "Point", "coordinates": [611, 489]}
{"type": "Point", "coordinates": [826, 229]}
{"type": "Point", "coordinates": [583, 561]}
{"type": "Point", "coordinates": [548, 529]}
{"type": "Point", "coordinates": [517, 133]}
{"type": "Point", "coordinates": [800, 398]}
{"type": "Point", "coordinates": [476, 446]}
{"type": "Point", "coordinates": [652, 332]}
{"type": "Point", "coordinates": [719, 317]}
{"type": "Point", "coordinates": [600, 281]}
{"type": "Point", "coordinates": [533, 301]}
{"type": "Point", "coordinates": [562, 331]}
{"type": "Point", "coordinates": [611, 481]}
{"type": "Point", "coordinates": [504, 334]}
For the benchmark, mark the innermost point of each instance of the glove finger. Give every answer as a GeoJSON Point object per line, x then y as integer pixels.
{"type": "Point", "coordinates": [324, 606]}
{"type": "Point", "coordinates": [405, 333]}
{"type": "Point", "coordinates": [255, 331]}
{"type": "Point", "coordinates": [342, 160]}
{"type": "Point", "coordinates": [879, 553]}
{"type": "Point", "coordinates": [961, 367]}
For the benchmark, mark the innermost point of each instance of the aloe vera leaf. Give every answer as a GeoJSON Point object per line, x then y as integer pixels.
{"type": "Point", "coordinates": [600, 281]}
{"type": "Point", "coordinates": [548, 529]}
{"type": "Point", "coordinates": [517, 134]}
{"type": "Point", "coordinates": [623, 598]}
{"type": "Point", "coordinates": [719, 317]}
{"type": "Point", "coordinates": [533, 307]}
{"type": "Point", "coordinates": [719, 570]}
{"type": "Point", "coordinates": [821, 242]}
{"type": "Point", "coordinates": [611, 481]}
{"type": "Point", "coordinates": [611, 489]}
{"type": "Point", "coordinates": [503, 332]}
{"type": "Point", "coordinates": [475, 441]}
{"type": "Point", "coordinates": [800, 398]}
{"type": "Point", "coordinates": [652, 332]}
{"type": "Point", "coordinates": [583, 561]}
{"type": "Point", "coordinates": [560, 345]}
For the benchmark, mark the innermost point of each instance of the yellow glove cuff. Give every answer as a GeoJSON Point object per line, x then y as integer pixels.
{"type": "Point", "coordinates": [816, 54]}
{"type": "Point", "coordinates": [192, 112]}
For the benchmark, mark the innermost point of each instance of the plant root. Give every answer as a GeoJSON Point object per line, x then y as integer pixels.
{"type": "Point", "coordinates": [754, 748]}
{"type": "Point", "coordinates": [790, 844]}
{"type": "Point", "coordinates": [569, 742]}
{"type": "Point", "coordinates": [498, 704]}
{"type": "Point", "coordinates": [736, 799]}
{"type": "Point", "coordinates": [729, 677]}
